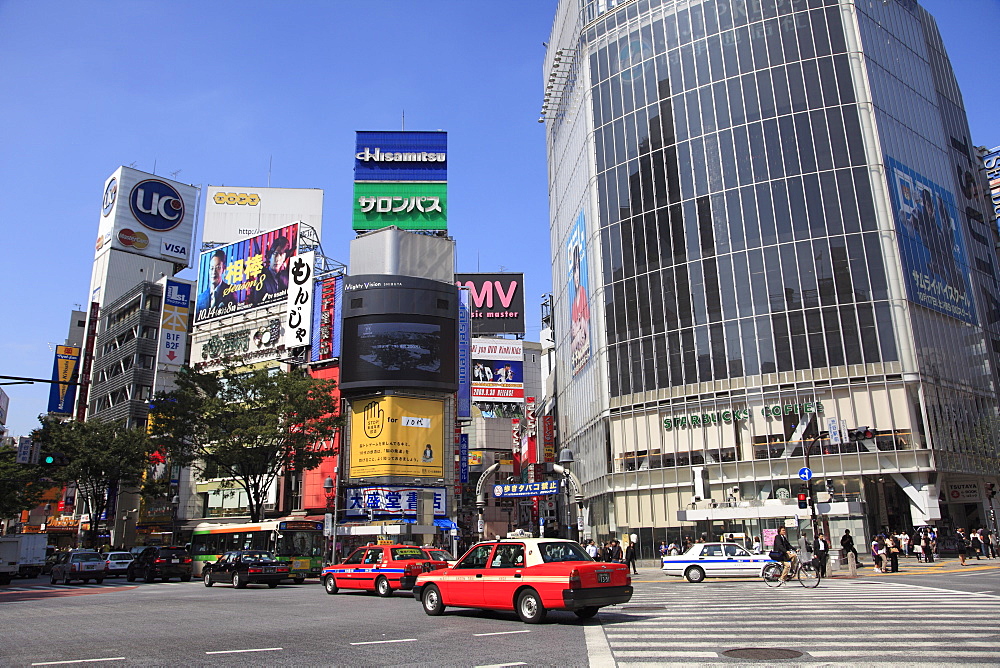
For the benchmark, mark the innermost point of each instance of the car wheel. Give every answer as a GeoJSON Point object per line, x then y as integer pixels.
{"type": "Point", "coordinates": [694, 574]}
{"type": "Point", "coordinates": [299, 581]}
{"type": "Point", "coordinates": [238, 582]}
{"type": "Point", "coordinates": [130, 575]}
{"type": "Point", "coordinates": [149, 575]}
{"type": "Point", "coordinates": [330, 585]}
{"type": "Point", "coordinates": [85, 581]}
{"type": "Point", "coordinates": [207, 579]}
{"type": "Point", "coordinates": [99, 580]}
{"type": "Point", "coordinates": [52, 579]}
{"type": "Point", "coordinates": [431, 600]}
{"type": "Point", "coordinates": [529, 607]}
{"type": "Point", "coordinates": [382, 587]}
{"type": "Point", "coordinates": [272, 585]}
{"type": "Point", "coordinates": [586, 613]}
{"type": "Point", "coordinates": [185, 578]}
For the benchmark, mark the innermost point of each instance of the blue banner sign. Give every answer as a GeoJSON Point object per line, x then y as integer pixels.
{"type": "Point", "coordinates": [464, 357]}
{"type": "Point", "coordinates": [401, 156]}
{"type": "Point", "coordinates": [463, 457]}
{"type": "Point", "coordinates": [543, 488]}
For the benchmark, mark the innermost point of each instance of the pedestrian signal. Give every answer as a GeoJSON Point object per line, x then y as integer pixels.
{"type": "Point", "coordinates": [803, 503]}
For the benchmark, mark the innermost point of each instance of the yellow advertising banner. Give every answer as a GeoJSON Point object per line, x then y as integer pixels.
{"type": "Point", "coordinates": [397, 436]}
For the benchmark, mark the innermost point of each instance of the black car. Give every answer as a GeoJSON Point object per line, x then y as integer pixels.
{"type": "Point", "coordinates": [160, 562]}
{"type": "Point", "coordinates": [244, 567]}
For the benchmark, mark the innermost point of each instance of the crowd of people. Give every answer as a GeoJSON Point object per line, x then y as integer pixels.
{"type": "Point", "coordinates": [612, 552]}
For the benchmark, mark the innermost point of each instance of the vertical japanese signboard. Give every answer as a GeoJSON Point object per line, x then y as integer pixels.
{"type": "Point", "coordinates": [174, 323]}
{"type": "Point", "coordinates": [464, 356]}
{"type": "Point", "coordinates": [549, 438]}
{"type": "Point", "coordinates": [62, 395]}
{"type": "Point", "coordinates": [991, 163]}
{"type": "Point", "coordinates": [326, 323]}
{"type": "Point", "coordinates": [298, 312]}
{"type": "Point", "coordinates": [463, 458]}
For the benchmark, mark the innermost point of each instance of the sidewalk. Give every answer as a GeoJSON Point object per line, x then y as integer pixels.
{"type": "Point", "coordinates": [906, 565]}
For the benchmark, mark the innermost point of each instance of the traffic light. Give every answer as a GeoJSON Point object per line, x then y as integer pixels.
{"type": "Point", "coordinates": [991, 490]}
{"type": "Point", "coordinates": [862, 434]}
{"type": "Point", "coordinates": [53, 459]}
{"type": "Point", "coordinates": [803, 501]}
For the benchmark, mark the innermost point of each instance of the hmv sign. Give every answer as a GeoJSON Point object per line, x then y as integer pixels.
{"type": "Point", "coordinates": [496, 302]}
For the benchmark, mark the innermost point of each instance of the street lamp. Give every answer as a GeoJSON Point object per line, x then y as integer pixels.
{"type": "Point", "coordinates": [330, 491]}
{"type": "Point", "coordinates": [566, 458]}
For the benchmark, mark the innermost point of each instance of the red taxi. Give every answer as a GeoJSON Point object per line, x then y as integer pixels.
{"type": "Point", "coordinates": [527, 575]}
{"type": "Point", "coordinates": [380, 568]}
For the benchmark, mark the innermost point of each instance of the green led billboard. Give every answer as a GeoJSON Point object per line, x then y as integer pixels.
{"type": "Point", "coordinates": [409, 205]}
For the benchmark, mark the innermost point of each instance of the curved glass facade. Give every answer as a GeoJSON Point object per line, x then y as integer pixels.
{"type": "Point", "coordinates": [755, 231]}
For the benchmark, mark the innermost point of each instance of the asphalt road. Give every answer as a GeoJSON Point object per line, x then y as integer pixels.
{"type": "Point", "coordinates": [939, 613]}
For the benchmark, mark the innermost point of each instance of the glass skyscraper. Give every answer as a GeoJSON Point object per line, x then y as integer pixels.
{"type": "Point", "coordinates": [768, 232]}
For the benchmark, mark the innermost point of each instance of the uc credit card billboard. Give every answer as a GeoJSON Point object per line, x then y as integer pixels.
{"type": "Point", "coordinates": [245, 275]}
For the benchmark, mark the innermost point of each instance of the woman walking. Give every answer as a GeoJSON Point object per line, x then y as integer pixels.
{"type": "Point", "coordinates": [877, 551]}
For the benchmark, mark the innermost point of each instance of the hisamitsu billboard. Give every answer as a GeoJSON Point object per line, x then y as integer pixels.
{"type": "Point", "coordinates": [401, 156]}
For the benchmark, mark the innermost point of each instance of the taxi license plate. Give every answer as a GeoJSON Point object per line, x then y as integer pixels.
{"type": "Point", "coordinates": [175, 561]}
{"type": "Point", "coordinates": [269, 569]}
{"type": "Point", "coordinates": [604, 577]}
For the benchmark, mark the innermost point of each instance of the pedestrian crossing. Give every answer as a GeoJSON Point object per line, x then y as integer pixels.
{"type": "Point", "coordinates": [114, 584]}
{"type": "Point", "coordinates": [841, 621]}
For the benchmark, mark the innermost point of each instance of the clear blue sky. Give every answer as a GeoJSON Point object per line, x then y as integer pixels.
{"type": "Point", "coordinates": [217, 89]}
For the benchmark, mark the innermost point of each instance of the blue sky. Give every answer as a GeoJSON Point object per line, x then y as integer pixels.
{"type": "Point", "coordinates": [219, 89]}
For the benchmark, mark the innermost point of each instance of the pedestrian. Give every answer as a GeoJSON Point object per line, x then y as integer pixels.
{"type": "Point", "coordinates": [615, 552]}
{"type": "Point", "coordinates": [990, 544]}
{"type": "Point", "coordinates": [904, 542]}
{"type": "Point", "coordinates": [892, 549]}
{"type": "Point", "coordinates": [686, 543]}
{"type": "Point", "coordinates": [630, 557]}
{"type": "Point", "coordinates": [918, 549]}
{"type": "Point", "coordinates": [976, 543]}
{"type": "Point", "coordinates": [962, 543]}
{"type": "Point", "coordinates": [673, 549]}
{"type": "Point", "coordinates": [847, 545]}
{"type": "Point", "coordinates": [927, 545]}
{"type": "Point", "coordinates": [591, 549]}
{"type": "Point", "coordinates": [606, 552]}
{"type": "Point", "coordinates": [757, 545]}
{"type": "Point", "coordinates": [877, 552]}
{"type": "Point", "coordinates": [821, 552]}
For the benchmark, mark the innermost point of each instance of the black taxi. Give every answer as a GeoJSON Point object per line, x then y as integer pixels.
{"type": "Point", "coordinates": [243, 567]}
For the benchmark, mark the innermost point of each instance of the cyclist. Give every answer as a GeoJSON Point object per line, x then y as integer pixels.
{"type": "Point", "coordinates": [785, 553]}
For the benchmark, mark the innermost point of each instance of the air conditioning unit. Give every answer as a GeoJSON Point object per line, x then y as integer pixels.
{"type": "Point", "coordinates": [270, 506]}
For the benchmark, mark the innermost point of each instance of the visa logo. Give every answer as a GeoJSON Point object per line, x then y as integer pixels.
{"type": "Point", "coordinates": [175, 249]}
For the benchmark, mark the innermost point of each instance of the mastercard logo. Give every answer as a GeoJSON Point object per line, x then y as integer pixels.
{"type": "Point", "coordinates": [137, 240]}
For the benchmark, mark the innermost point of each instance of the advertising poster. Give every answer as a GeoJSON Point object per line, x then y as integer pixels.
{"type": "Point", "coordinates": [991, 164]}
{"type": "Point", "coordinates": [497, 305]}
{"type": "Point", "coordinates": [401, 155]}
{"type": "Point", "coordinates": [497, 371]}
{"type": "Point", "coordinates": [579, 292]}
{"type": "Point", "coordinates": [549, 438]}
{"type": "Point", "coordinates": [245, 275]}
{"type": "Point", "coordinates": [232, 213]}
{"type": "Point", "coordinates": [394, 500]}
{"type": "Point", "coordinates": [464, 398]}
{"type": "Point", "coordinates": [326, 319]}
{"type": "Point", "coordinates": [174, 322]}
{"type": "Point", "coordinates": [298, 312]}
{"type": "Point", "coordinates": [409, 206]}
{"type": "Point", "coordinates": [61, 397]}
{"type": "Point", "coordinates": [4, 406]}
{"type": "Point", "coordinates": [397, 436]}
{"type": "Point", "coordinates": [935, 264]}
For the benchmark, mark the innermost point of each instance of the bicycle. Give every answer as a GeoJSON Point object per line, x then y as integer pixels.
{"type": "Point", "coordinates": [805, 572]}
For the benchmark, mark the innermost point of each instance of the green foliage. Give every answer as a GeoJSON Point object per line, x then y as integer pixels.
{"type": "Point", "coordinates": [101, 456]}
{"type": "Point", "coordinates": [21, 486]}
{"type": "Point", "coordinates": [246, 426]}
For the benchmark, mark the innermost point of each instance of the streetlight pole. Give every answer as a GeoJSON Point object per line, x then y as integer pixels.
{"type": "Point", "coordinates": [330, 491]}
{"type": "Point", "coordinates": [813, 518]}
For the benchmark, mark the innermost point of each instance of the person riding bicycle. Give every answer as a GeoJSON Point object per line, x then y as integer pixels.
{"type": "Point", "coordinates": [784, 552]}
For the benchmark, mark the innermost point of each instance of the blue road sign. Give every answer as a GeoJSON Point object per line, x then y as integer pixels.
{"type": "Point", "coordinates": [805, 474]}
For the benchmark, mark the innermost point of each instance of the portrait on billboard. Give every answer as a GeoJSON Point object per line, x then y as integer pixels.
{"type": "Point", "coordinates": [396, 435]}
{"type": "Point", "coordinates": [579, 293]}
{"type": "Point", "coordinates": [245, 275]}
{"type": "Point", "coordinates": [931, 244]}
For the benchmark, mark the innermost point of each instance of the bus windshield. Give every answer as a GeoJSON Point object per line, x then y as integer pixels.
{"type": "Point", "coordinates": [299, 544]}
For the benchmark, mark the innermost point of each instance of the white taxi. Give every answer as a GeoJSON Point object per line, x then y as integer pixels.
{"type": "Point", "coordinates": [715, 560]}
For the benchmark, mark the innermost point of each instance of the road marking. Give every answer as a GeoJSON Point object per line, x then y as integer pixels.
{"type": "Point", "coordinates": [598, 649]}
{"type": "Point", "coordinates": [55, 663]}
{"type": "Point", "coordinates": [503, 633]}
{"type": "Point", "coordinates": [237, 651]}
{"type": "Point", "coordinates": [380, 642]}
{"type": "Point", "coordinates": [503, 665]}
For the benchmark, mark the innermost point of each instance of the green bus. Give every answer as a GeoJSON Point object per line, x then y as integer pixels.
{"type": "Point", "coordinates": [299, 541]}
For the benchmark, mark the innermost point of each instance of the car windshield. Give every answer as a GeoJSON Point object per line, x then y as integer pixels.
{"type": "Point", "coordinates": [119, 556]}
{"type": "Point", "coordinates": [562, 552]}
{"type": "Point", "coordinates": [440, 555]}
{"type": "Point", "coordinates": [257, 556]}
{"type": "Point", "coordinates": [407, 553]}
{"type": "Point", "coordinates": [88, 556]}
{"type": "Point", "coordinates": [173, 552]}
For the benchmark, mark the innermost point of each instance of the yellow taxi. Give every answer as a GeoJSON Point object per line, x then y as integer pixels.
{"type": "Point", "coordinates": [527, 575]}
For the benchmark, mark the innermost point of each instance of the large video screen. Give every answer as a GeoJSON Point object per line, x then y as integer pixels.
{"type": "Point", "coordinates": [394, 348]}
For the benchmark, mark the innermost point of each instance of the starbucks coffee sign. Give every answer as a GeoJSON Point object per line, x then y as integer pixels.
{"type": "Point", "coordinates": [735, 415]}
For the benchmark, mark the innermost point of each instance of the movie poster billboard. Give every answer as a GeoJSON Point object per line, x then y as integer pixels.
{"type": "Point", "coordinates": [497, 302]}
{"type": "Point", "coordinates": [245, 275]}
{"type": "Point", "coordinates": [497, 371]}
{"type": "Point", "coordinates": [62, 395]}
{"type": "Point", "coordinates": [579, 293]}
{"type": "Point", "coordinates": [397, 436]}
{"type": "Point", "coordinates": [935, 262]}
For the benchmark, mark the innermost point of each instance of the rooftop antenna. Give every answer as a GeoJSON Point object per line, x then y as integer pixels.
{"type": "Point", "coordinates": [174, 174]}
{"type": "Point", "coordinates": [270, 158]}
{"type": "Point", "coordinates": [154, 165]}
{"type": "Point", "coordinates": [132, 164]}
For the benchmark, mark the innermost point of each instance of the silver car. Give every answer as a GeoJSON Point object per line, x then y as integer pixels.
{"type": "Point", "coordinates": [715, 560]}
{"type": "Point", "coordinates": [117, 562]}
{"type": "Point", "coordinates": [83, 565]}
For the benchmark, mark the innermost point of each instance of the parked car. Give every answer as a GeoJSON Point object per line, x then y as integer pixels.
{"type": "Point", "coordinates": [244, 567]}
{"type": "Point", "coordinates": [439, 554]}
{"type": "Point", "coordinates": [82, 565]}
{"type": "Point", "coordinates": [50, 561]}
{"type": "Point", "coordinates": [715, 560]}
{"type": "Point", "coordinates": [117, 563]}
{"type": "Point", "coordinates": [527, 575]}
{"type": "Point", "coordinates": [379, 568]}
{"type": "Point", "coordinates": [160, 562]}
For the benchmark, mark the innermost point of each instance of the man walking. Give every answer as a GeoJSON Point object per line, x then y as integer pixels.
{"type": "Point", "coordinates": [630, 557]}
{"type": "Point", "coordinates": [821, 551]}
{"type": "Point", "coordinates": [615, 552]}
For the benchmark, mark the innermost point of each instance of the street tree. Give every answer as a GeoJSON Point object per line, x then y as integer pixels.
{"type": "Point", "coordinates": [21, 486]}
{"type": "Point", "coordinates": [104, 459]}
{"type": "Point", "coordinates": [245, 426]}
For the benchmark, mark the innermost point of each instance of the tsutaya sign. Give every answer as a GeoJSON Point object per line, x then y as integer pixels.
{"type": "Point", "coordinates": [729, 416]}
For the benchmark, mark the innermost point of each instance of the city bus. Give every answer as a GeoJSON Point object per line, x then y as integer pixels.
{"type": "Point", "coordinates": [299, 541]}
